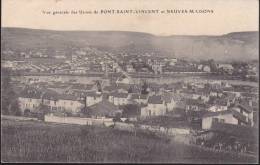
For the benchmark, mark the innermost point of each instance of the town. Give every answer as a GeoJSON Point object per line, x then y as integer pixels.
{"type": "Point", "coordinates": [215, 104]}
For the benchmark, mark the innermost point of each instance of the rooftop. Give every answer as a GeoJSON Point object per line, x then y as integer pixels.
{"type": "Point", "coordinates": [103, 108]}
{"type": "Point", "coordinates": [82, 87]}
{"type": "Point", "coordinates": [155, 100]}
{"type": "Point", "coordinates": [119, 95]}
{"type": "Point", "coordinates": [30, 92]}
{"type": "Point", "coordinates": [194, 102]}
{"type": "Point", "coordinates": [245, 107]}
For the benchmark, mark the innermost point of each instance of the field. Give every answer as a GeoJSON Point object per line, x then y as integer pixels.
{"type": "Point", "coordinates": [32, 141]}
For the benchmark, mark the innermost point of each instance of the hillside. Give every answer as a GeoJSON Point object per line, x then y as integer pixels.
{"type": "Point", "coordinates": [237, 45]}
{"type": "Point", "coordinates": [30, 141]}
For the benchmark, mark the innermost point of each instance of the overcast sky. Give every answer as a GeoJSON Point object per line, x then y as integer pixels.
{"type": "Point", "coordinates": [228, 16]}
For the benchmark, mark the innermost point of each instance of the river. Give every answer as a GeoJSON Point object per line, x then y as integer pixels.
{"type": "Point", "coordinates": [158, 80]}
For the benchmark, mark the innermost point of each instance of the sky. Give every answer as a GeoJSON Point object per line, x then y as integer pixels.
{"type": "Point", "coordinates": [228, 16]}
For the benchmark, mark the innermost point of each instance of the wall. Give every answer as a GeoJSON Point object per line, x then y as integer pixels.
{"type": "Point", "coordinates": [19, 118]}
{"type": "Point", "coordinates": [207, 121]}
{"type": "Point", "coordinates": [76, 120]}
{"type": "Point", "coordinates": [117, 125]}
{"type": "Point", "coordinates": [68, 120]}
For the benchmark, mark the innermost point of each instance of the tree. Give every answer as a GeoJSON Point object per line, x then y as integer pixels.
{"type": "Point", "coordinates": [144, 88]}
{"type": "Point", "coordinates": [131, 110]}
{"type": "Point", "coordinates": [130, 90]}
{"type": "Point", "coordinates": [212, 65]}
{"type": "Point", "coordinates": [99, 88]}
{"type": "Point", "coordinates": [9, 99]}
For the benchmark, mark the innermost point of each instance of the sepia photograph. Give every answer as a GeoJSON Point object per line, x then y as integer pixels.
{"type": "Point", "coordinates": [134, 81]}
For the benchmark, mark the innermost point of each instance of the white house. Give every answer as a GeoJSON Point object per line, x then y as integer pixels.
{"type": "Point", "coordinates": [93, 98]}
{"type": "Point", "coordinates": [173, 61]}
{"type": "Point", "coordinates": [222, 117]}
{"type": "Point", "coordinates": [62, 102]}
{"type": "Point", "coordinates": [206, 68]}
{"type": "Point", "coordinates": [216, 93]}
{"type": "Point", "coordinates": [194, 105]}
{"type": "Point", "coordinates": [246, 111]}
{"type": "Point", "coordinates": [129, 68]}
{"type": "Point", "coordinates": [170, 103]}
{"type": "Point", "coordinates": [119, 98]}
{"type": "Point", "coordinates": [229, 116]}
{"type": "Point", "coordinates": [200, 67]}
{"type": "Point", "coordinates": [216, 108]}
{"type": "Point", "coordinates": [155, 107]}
{"type": "Point", "coordinates": [29, 100]}
{"type": "Point", "coordinates": [225, 66]}
{"type": "Point", "coordinates": [8, 64]}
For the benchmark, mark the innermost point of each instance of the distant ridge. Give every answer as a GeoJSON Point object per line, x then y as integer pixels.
{"type": "Point", "coordinates": [226, 47]}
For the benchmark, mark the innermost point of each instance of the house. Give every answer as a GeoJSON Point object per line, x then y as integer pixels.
{"type": "Point", "coordinates": [62, 102]}
{"type": "Point", "coordinates": [173, 61]}
{"type": "Point", "coordinates": [104, 109]}
{"type": "Point", "coordinates": [136, 89]}
{"type": "Point", "coordinates": [157, 68]}
{"type": "Point", "coordinates": [225, 67]}
{"type": "Point", "coordinates": [155, 107]}
{"type": "Point", "coordinates": [189, 94]}
{"type": "Point", "coordinates": [119, 98]}
{"type": "Point", "coordinates": [93, 98]}
{"type": "Point", "coordinates": [170, 103]}
{"type": "Point", "coordinates": [202, 94]}
{"type": "Point", "coordinates": [217, 104]}
{"type": "Point", "coordinates": [206, 68]}
{"type": "Point", "coordinates": [216, 108]}
{"type": "Point", "coordinates": [216, 93]}
{"type": "Point", "coordinates": [229, 97]}
{"type": "Point", "coordinates": [122, 88]}
{"type": "Point", "coordinates": [200, 67]}
{"type": "Point", "coordinates": [140, 98]}
{"type": "Point", "coordinates": [29, 99]}
{"type": "Point", "coordinates": [8, 64]}
{"type": "Point", "coordinates": [78, 71]}
{"type": "Point", "coordinates": [229, 116]}
{"type": "Point", "coordinates": [129, 68]}
{"type": "Point", "coordinates": [194, 105]}
{"type": "Point", "coordinates": [246, 111]}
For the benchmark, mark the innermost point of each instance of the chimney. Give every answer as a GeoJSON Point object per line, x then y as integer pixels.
{"type": "Point", "coordinates": [42, 97]}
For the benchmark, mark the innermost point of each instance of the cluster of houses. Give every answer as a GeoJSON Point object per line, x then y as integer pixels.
{"type": "Point", "coordinates": [79, 61]}
{"type": "Point", "coordinates": [89, 59]}
{"type": "Point", "coordinates": [208, 102]}
{"type": "Point", "coordinates": [74, 97]}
